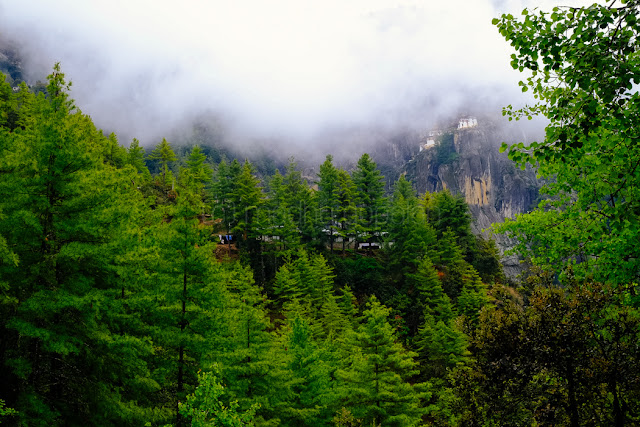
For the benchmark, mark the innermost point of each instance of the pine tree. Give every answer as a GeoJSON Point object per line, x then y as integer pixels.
{"type": "Point", "coordinates": [307, 278]}
{"type": "Point", "coordinates": [189, 297]}
{"type": "Point", "coordinates": [197, 166]}
{"type": "Point", "coordinates": [370, 196]}
{"type": "Point", "coordinates": [440, 346]}
{"type": "Point", "coordinates": [247, 197]}
{"type": "Point", "coordinates": [206, 408]}
{"type": "Point", "coordinates": [410, 237]}
{"type": "Point", "coordinates": [280, 225]}
{"type": "Point", "coordinates": [431, 296]}
{"type": "Point", "coordinates": [310, 396]}
{"type": "Point", "coordinates": [348, 304]}
{"type": "Point", "coordinates": [347, 225]}
{"type": "Point", "coordinates": [473, 295]}
{"type": "Point", "coordinates": [450, 261]}
{"type": "Point", "coordinates": [425, 297]}
{"type": "Point", "coordinates": [222, 188]}
{"type": "Point", "coordinates": [67, 353]}
{"type": "Point", "coordinates": [332, 321]}
{"type": "Point", "coordinates": [135, 158]}
{"type": "Point", "coordinates": [286, 286]}
{"type": "Point", "coordinates": [376, 379]}
{"type": "Point", "coordinates": [447, 212]}
{"type": "Point", "coordinates": [114, 154]}
{"type": "Point", "coordinates": [250, 368]}
{"type": "Point", "coordinates": [164, 153]}
{"type": "Point", "coordinates": [328, 201]}
{"type": "Point", "coordinates": [301, 202]}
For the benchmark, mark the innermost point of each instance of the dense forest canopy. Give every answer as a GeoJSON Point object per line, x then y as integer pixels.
{"type": "Point", "coordinates": [161, 287]}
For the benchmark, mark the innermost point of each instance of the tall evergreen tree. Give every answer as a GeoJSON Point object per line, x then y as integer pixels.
{"type": "Point", "coordinates": [409, 235]}
{"type": "Point", "coordinates": [222, 188]}
{"type": "Point", "coordinates": [441, 346]}
{"type": "Point", "coordinates": [447, 212]}
{"type": "Point", "coordinates": [66, 353]}
{"type": "Point", "coordinates": [310, 397]}
{"type": "Point", "coordinates": [189, 298]}
{"type": "Point", "coordinates": [247, 197]}
{"type": "Point", "coordinates": [306, 277]}
{"type": "Point", "coordinates": [301, 202]}
{"type": "Point", "coordinates": [473, 295]}
{"type": "Point", "coordinates": [328, 201]}
{"type": "Point", "coordinates": [163, 153]}
{"type": "Point", "coordinates": [347, 225]}
{"type": "Point", "coordinates": [254, 376]}
{"type": "Point", "coordinates": [197, 166]}
{"type": "Point", "coordinates": [114, 154]}
{"type": "Point", "coordinates": [281, 227]}
{"type": "Point", "coordinates": [370, 195]}
{"type": "Point", "coordinates": [376, 377]}
{"type": "Point", "coordinates": [135, 158]}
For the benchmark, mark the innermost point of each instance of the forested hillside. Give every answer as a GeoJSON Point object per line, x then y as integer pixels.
{"type": "Point", "coordinates": [119, 285]}
{"type": "Point", "coordinates": [166, 287]}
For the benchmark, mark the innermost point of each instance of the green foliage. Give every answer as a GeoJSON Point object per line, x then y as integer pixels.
{"type": "Point", "coordinates": [113, 304]}
{"type": "Point", "coordinates": [222, 189]}
{"type": "Point", "coordinates": [164, 154]}
{"type": "Point", "coordinates": [446, 212]}
{"type": "Point", "coordinates": [307, 278]}
{"type": "Point", "coordinates": [311, 395]}
{"type": "Point", "coordinates": [441, 346]}
{"type": "Point", "coordinates": [248, 362]}
{"type": "Point", "coordinates": [375, 379]}
{"type": "Point", "coordinates": [370, 198]}
{"type": "Point", "coordinates": [473, 296]}
{"type": "Point", "coordinates": [583, 67]}
{"type": "Point", "coordinates": [486, 260]}
{"type": "Point", "coordinates": [300, 203]}
{"type": "Point", "coordinates": [247, 198]}
{"type": "Point", "coordinates": [568, 358]}
{"type": "Point", "coordinates": [431, 296]}
{"type": "Point", "coordinates": [328, 198]}
{"type": "Point", "coordinates": [114, 154]}
{"type": "Point", "coordinates": [197, 166]}
{"type": "Point", "coordinates": [6, 412]}
{"type": "Point", "coordinates": [279, 227]}
{"type": "Point", "coordinates": [346, 224]}
{"type": "Point", "coordinates": [66, 212]}
{"type": "Point", "coordinates": [445, 150]}
{"type": "Point", "coordinates": [344, 418]}
{"type": "Point", "coordinates": [135, 158]}
{"type": "Point", "coordinates": [204, 407]}
{"type": "Point", "coordinates": [409, 237]}
{"type": "Point", "coordinates": [364, 275]}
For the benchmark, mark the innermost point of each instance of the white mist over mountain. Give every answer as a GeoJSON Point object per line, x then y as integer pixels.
{"type": "Point", "coordinates": [281, 69]}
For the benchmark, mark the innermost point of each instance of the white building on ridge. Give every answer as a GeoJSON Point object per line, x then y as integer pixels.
{"type": "Point", "coordinates": [468, 122]}
{"type": "Point", "coordinates": [429, 140]}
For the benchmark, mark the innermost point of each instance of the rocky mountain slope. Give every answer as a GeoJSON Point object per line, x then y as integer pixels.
{"type": "Point", "coordinates": [467, 161]}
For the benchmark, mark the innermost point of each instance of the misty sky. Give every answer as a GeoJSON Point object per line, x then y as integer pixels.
{"type": "Point", "coordinates": [272, 68]}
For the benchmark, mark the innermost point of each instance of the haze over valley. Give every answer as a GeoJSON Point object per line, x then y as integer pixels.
{"type": "Point", "coordinates": [289, 78]}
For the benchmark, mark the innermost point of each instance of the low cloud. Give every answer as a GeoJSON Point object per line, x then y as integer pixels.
{"type": "Point", "coordinates": [285, 70]}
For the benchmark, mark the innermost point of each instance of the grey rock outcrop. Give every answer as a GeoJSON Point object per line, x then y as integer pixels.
{"type": "Point", "coordinates": [467, 161]}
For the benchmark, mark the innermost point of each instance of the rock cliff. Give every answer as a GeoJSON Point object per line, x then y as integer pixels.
{"type": "Point", "coordinates": [467, 161]}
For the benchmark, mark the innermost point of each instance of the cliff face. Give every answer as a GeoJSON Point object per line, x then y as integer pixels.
{"type": "Point", "coordinates": [468, 162]}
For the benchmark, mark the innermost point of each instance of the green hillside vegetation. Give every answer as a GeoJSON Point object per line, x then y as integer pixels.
{"type": "Point", "coordinates": [170, 287]}
{"type": "Point", "coordinates": [119, 301]}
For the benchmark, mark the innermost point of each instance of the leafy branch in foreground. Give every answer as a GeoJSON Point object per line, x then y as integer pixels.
{"type": "Point", "coordinates": [584, 70]}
